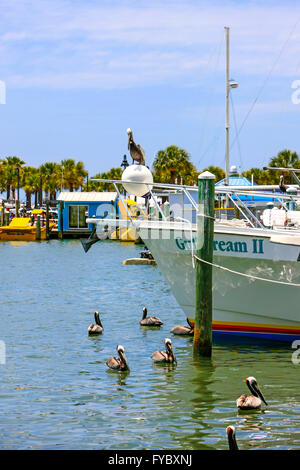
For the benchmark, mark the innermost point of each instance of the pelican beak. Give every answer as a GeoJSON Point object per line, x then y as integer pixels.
{"type": "Point", "coordinates": [172, 352]}
{"type": "Point", "coordinates": [253, 387]}
{"type": "Point", "coordinates": [259, 393]}
{"type": "Point", "coordinates": [124, 360]}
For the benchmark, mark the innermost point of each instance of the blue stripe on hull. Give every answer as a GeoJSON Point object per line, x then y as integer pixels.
{"type": "Point", "coordinates": [264, 336]}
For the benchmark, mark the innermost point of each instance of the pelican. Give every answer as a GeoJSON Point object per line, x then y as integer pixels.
{"type": "Point", "coordinates": [282, 186]}
{"type": "Point", "coordinates": [251, 402]}
{"type": "Point", "coordinates": [165, 356]}
{"type": "Point", "coordinates": [183, 330]}
{"type": "Point", "coordinates": [136, 151]}
{"type": "Point", "coordinates": [150, 321]}
{"type": "Point", "coordinates": [230, 430]}
{"type": "Point", "coordinates": [118, 363]}
{"type": "Point", "coordinates": [96, 329]}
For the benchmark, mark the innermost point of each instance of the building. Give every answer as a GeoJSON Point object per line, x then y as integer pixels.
{"type": "Point", "coordinates": [75, 207]}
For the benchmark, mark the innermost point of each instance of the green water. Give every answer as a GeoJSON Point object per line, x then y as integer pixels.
{"type": "Point", "coordinates": [57, 393]}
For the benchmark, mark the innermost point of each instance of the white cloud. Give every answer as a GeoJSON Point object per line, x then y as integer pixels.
{"type": "Point", "coordinates": [63, 43]}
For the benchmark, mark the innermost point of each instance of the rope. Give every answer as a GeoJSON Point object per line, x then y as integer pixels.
{"type": "Point", "coordinates": [206, 216]}
{"type": "Point", "coordinates": [246, 275]}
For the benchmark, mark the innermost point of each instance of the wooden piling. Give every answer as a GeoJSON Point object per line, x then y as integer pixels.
{"type": "Point", "coordinates": [204, 250]}
{"type": "Point", "coordinates": [61, 220]}
{"type": "Point", "coordinates": [47, 220]}
{"type": "Point", "coordinates": [38, 227]}
{"type": "Point", "coordinates": [3, 213]}
{"type": "Point", "coordinates": [17, 208]}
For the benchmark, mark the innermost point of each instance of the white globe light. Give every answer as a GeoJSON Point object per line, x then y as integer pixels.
{"type": "Point", "coordinates": [139, 174]}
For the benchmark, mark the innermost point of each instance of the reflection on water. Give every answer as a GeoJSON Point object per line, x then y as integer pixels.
{"type": "Point", "coordinates": [57, 392]}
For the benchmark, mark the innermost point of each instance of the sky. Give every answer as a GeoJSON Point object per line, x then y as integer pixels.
{"type": "Point", "coordinates": [78, 73]}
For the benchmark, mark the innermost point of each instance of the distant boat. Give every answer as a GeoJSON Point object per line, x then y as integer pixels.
{"type": "Point", "coordinates": [20, 229]}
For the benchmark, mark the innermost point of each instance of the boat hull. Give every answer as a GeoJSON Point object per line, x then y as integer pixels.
{"type": "Point", "coordinates": [242, 305]}
{"type": "Point", "coordinates": [28, 235]}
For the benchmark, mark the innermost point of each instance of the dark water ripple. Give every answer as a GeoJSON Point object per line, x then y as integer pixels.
{"type": "Point", "coordinates": [57, 393]}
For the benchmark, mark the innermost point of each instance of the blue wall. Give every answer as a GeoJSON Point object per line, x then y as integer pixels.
{"type": "Point", "coordinates": [93, 207]}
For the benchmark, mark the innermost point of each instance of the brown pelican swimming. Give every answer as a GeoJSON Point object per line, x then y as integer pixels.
{"type": "Point", "coordinates": [183, 330]}
{"type": "Point", "coordinates": [230, 430]}
{"type": "Point", "coordinates": [251, 402]}
{"type": "Point", "coordinates": [136, 151]}
{"type": "Point", "coordinates": [96, 329]}
{"type": "Point", "coordinates": [150, 321]}
{"type": "Point", "coordinates": [166, 356]}
{"type": "Point", "coordinates": [118, 363]}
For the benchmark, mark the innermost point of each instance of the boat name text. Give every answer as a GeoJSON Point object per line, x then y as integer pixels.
{"type": "Point", "coordinates": [256, 247]}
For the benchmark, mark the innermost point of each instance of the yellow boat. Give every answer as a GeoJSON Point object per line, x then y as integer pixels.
{"type": "Point", "coordinates": [128, 234]}
{"type": "Point", "coordinates": [20, 228]}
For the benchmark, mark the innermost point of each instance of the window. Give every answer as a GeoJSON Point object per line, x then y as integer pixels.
{"type": "Point", "coordinates": [77, 217]}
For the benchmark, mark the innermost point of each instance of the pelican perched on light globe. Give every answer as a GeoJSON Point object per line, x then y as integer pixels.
{"type": "Point", "coordinates": [183, 329]}
{"type": "Point", "coordinates": [166, 356]}
{"type": "Point", "coordinates": [230, 430]}
{"type": "Point", "coordinates": [136, 151]}
{"type": "Point", "coordinates": [254, 401]}
{"type": "Point", "coordinates": [96, 328]}
{"type": "Point", "coordinates": [150, 321]}
{"type": "Point", "coordinates": [118, 363]}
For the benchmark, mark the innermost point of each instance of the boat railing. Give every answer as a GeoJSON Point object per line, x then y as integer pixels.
{"type": "Point", "coordinates": [243, 201]}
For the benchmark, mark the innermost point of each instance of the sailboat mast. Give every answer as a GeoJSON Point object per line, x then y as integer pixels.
{"type": "Point", "coordinates": [227, 109]}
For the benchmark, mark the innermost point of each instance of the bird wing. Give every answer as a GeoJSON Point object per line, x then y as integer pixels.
{"type": "Point", "coordinates": [142, 153]}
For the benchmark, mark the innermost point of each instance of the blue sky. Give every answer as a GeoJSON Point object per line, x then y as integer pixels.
{"type": "Point", "coordinates": [79, 72]}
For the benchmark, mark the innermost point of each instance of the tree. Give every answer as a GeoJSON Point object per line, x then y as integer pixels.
{"type": "Point", "coordinates": [284, 159]}
{"type": "Point", "coordinates": [51, 177]}
{"type": "Point", "coordinates": [10, 164]}
{"type": "Point", "coordinates": [260, 176]}
{"type": "Point", "coordinates": [173, 164]}
{"type": "Point", "coordinates": [73, 174]}
{"type": "Point", "coordinates": [28, 182]}
{"type": "Point", "coordinates": [217, 171]}
{"type": "Point", "coordinates": [112, 174]}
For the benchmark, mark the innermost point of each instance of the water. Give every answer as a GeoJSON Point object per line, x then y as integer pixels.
{"type": "Point", "coordinates": [57, 393]}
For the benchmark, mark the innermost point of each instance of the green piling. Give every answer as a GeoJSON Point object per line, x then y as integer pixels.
{"type": "Point", "coordinates": [38, 227]}
{"type": "Point", "coordinates": [61, 220]}
{"type": "Point", "coordinates": [3, 213]}
{"type": "Point", "coordinates": [47, 221]}
{"type": "Point", "coordinates": [202, 344]}
{"type": "Point", "coordinates": [17, 208]}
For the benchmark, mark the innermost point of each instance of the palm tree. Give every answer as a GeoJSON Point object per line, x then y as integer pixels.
{"type": "Point", "coordinates": [112, 174]}
{"type": "Point", "coordinates": [10, 164]}
{"type": "Point", "coordinates": [2, 177]}
{"type": "Point", "coordinates": [73, 174]}
{"type": "Point", "coordinates": [51, 177]}
{"type": "Point", "coordinates": [174, 164]}
{"type": "Point", "coordinates": [28, 181]}
{"type": "Point", "coordinates": [285, 159]}
{"type": "Point", "coordinates": [217, 171]}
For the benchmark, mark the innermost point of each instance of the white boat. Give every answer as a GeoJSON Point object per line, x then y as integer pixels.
{"type": "Point", "coordinates": [258, 292]}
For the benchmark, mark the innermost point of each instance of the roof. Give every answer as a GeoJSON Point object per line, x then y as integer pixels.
{"type": "Point", "coordinates": [92, 196]}
{"type": "Point", "coordinates": [235, 181]}
{"type": "Point", "coordinates": [19, 222]}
